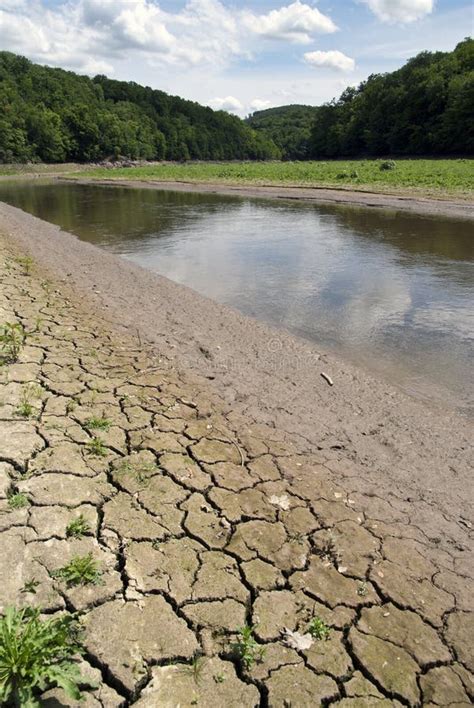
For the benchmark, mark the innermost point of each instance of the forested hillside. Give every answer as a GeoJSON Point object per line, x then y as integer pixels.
{"type": "Point", "coordinates": [424, 108]}
{"type": "Point", "coordinates": [288, 126]}
{"type": "Point", "coordinates": [54, 115]}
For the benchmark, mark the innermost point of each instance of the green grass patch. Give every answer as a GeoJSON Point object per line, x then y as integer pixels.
{"type": "Point", "coordinates": [432, 177]}
{"type": "Point", "coordinates": [17, 500]}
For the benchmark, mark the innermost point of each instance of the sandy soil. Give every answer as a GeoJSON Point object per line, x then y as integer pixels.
{"type": "Point", "coordinates": [457, 209]}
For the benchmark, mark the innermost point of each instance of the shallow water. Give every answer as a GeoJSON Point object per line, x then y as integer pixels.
{"type": "Point", "coordinates": [391, 291]}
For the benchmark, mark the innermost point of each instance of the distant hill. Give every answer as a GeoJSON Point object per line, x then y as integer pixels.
{"type": "Point", "coordinates": [289, 127]}
{"type": "Point", "coordinates": [424, 108]}
{"type": "Point", "coordinates": [54, 115]}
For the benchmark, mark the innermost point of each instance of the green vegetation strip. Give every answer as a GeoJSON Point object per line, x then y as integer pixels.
{"type": "Point", "coordinates": [437, 177]}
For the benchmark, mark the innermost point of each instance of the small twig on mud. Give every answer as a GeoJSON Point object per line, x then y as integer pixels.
{"type": "Point", "coordinates": [327, 378]}
{"type": "Point", "coordinates": [139, 338]}
{"type": "Point", "coordinates": [233, 442]}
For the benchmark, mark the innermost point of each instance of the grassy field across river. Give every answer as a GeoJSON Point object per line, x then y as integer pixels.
{"type": "Point", "coordinates": [437, 178]}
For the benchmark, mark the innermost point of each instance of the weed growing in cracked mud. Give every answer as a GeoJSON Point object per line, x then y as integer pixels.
{"type": "Point", "coordinates": [28, 394]}
{"type": "Point", "coordinates": [96, 447]}
{"type": "Point", "coordinates": [26, 263]}
{"type": "Point", "coordinates": [78, 527]}
{"type": "Point", "coordinates": [70, 406]}
{"type": "Point", "coordinates": [246, 648]}
{"type": "Point", "coordinates": [17, 500]}
{"type": "Point", "coordinates": [140, 471]}
{"type": "Point", "coordinates": [81, 570]}
{"type": "Point", "coordinates": [319, 629]}
{"type": "Point", "coordinates": [98, 424]}
{"type": "Point", "coordinates": [36, 655]}
{"type": "Point", "coordinates": [196, 667]}
{"type": "Point", "coordinates": [30, 586]}
{"type": "Point", "coordinates": [12, 338]}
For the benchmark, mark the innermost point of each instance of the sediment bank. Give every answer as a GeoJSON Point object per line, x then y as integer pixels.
{"type": "Point", "coordinates": [427, 206]}
{"type": "Point", "coordinates": [236, 486]}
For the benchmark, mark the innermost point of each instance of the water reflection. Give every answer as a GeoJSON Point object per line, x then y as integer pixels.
{"type": "Point", "coordinates": [392, 291]}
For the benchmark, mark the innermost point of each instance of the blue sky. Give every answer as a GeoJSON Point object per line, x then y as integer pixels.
{"type": "Point", "coordinates": [238, 55]}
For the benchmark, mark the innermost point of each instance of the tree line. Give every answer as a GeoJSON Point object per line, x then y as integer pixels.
{"type": "Point", "coordinates": [424, 108]}
{"type": "Point", "coordinates": [52, 115]}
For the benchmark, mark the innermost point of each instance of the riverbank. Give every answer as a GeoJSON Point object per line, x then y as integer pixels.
{"type": "Point", "coordinates": [262, 494]}
{"type": "Point", "coordinates": [428, 206]}
{"type": "Point", "coordinates": [434, 179]}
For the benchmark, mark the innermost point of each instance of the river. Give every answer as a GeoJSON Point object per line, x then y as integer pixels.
{"type": "Point", "coordinates": [393, 292]}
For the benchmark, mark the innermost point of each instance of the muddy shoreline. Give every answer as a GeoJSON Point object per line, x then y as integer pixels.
{"type": "Point", "coordinates": [318, 195]}
{"type": "Point", "coordinates": [401, 447]}
{"type": "Point", "coordinates": [198, 519]}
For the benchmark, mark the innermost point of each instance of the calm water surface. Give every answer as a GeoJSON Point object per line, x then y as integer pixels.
{"type": "Point", "coordinates": [393, 292]}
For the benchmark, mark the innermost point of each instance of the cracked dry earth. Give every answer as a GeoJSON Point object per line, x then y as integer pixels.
{"type": "Point", "coordinates": [202, 522]}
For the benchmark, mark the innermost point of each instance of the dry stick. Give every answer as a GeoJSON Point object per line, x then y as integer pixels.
{"type": "Point", "coordinates": [233, 442]}
{"type": "Point", "coordinates": [327, 378]}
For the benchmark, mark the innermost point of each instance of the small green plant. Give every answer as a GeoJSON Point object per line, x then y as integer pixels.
{"type": "Point", "coordinates": [196, 667]}
{"type": "Point", "coordinates": [26, 262]}
{"type": "Point", "coordinates": [96, 447]}
{"type": "Point", "coordinates": [362, 589]}
{"type": "Point", "coordinates": [141, 471]}
{"type": "Point", "coordinates": [70, 406]}
{"type": "Point", "coordinates": [17, 500]}
{"type": "Point", "coordinates": [12, 338]}
{"type": "Point", "coordinates": [98, 424]}
{"type": "Point", "coordinates": [78, 527]}
{"type": "Point", "coordinates": [319, 629]}
{"type": "Point", "coordinates": [28, 394]}
{"type": "Point", "coordinates": [47, 286]}
{"type": "Point", "coordinates": [246, 648]}
{"type": "Point", "coordinates": [387, 165]}
{"type": "Point", "coordinates": [219, 678]}
{"type": "Point", "coordinates": [30, 586]}
{"type": "Point", "coordinates": [36, 655]}
{"type": "Point", "coordinates": [81, 570]}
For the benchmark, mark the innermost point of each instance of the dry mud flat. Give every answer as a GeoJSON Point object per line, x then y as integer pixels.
{"type": "Point", "coordinates": [202, 520]}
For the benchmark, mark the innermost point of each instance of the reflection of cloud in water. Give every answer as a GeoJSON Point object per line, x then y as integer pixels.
{"type": "Point", "coordinates": [387, 288]}
{"type": "Point", "coordinates": [446, 320]}
{"type": "Point", "coordinates": [382, 303]}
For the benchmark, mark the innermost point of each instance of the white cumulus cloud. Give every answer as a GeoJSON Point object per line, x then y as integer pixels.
{"type": "Point", "coordinates": [259, 104]}
{"type": "Point", "coordinates": [295, 23]}
{"type": "Point", "coordinates": [400, 10]}
{"type": "Point", "coordinates": [78, 34]}
{"type": "Point", "coordinates": [330, 60]}
{"type": "Point", "coordinates": [229, 104]}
